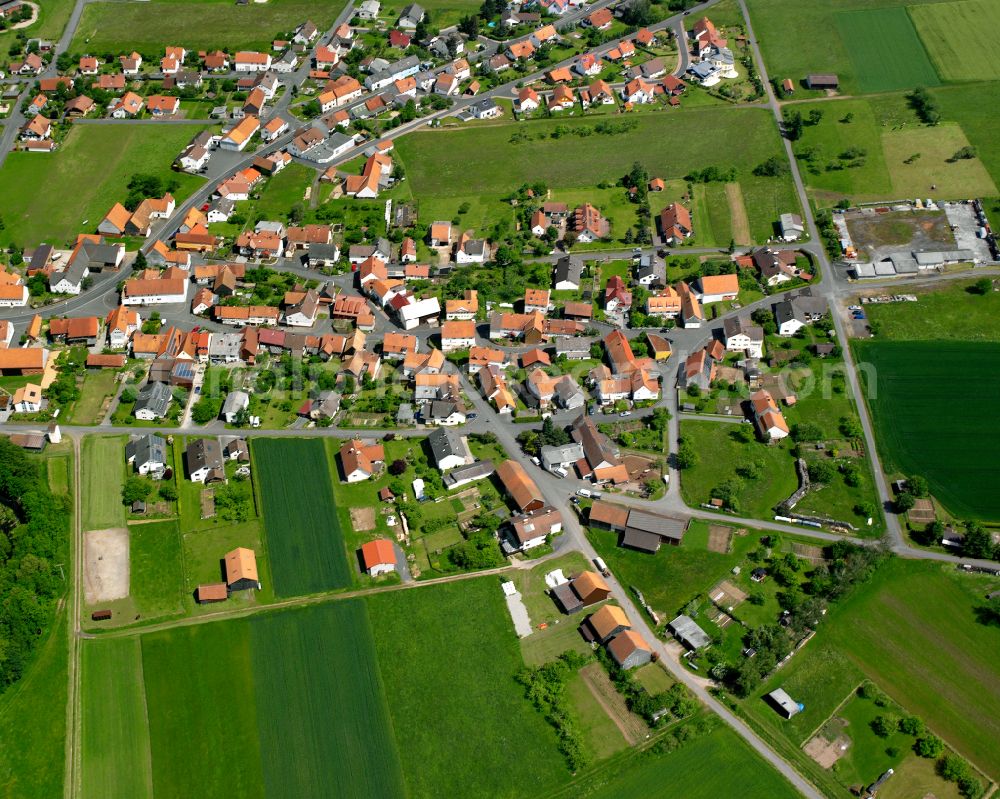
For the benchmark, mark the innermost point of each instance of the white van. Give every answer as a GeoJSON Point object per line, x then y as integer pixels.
{"type": "Point", "coordinates": [584, 492]}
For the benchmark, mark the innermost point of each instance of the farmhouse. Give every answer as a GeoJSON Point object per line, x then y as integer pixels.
{"type": "Point", "coordinates": [379, 557]}
{"type": "Point", "coordinates": [629, 650]}
{"type": "Point", "coordinates": [529, 530]}
{"type": "Point", "coordinates": [241, 570]}
{"type": "Point", "coordinates": [607, 622]}
{"type": "Point", "coordinates": [587, 588]}
{"type": "Point", "coordinates": [675, 223]}
{"type": "Point", "coordinates": [458, 335]}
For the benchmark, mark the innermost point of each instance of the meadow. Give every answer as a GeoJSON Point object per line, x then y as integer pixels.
{"type": "Point", "coordinates": [304, 540]}
{"type": "Point", "coordinates": [33, 722]}
{"type": "Point", "coordinates": [310, 722]}
{"type": "Point", "coordinates": [952, 179]}
{"type": "Point", "coordinates": [947, 313]}
{"type": "Point", "coordinates": [913, 631]}
{"type": "Point", "coordinates": [103, 475]}
{"type": "Point", "coordinates": [93, 167]}
{"type": "Point", "coordinates": [885, 50]}
{"type": "Point", "coordinates": [114, 732]}
{"type": "Point", "coordinates": [146, 27]}
{"type": "Point", "coordinates": [97, 386]}
{"type": "Point", "coordinates": [449, 656]}
{"type": "Point", "coordinates": [934, 409]}
{"type": "Point", "coordinates": [974, 108]}
{"type": "Point", "coordinates": [959, 36]}
{"type": "Point", "coordinates": [506, 155]}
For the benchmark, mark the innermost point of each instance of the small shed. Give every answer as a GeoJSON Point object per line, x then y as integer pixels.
{"type": "Point", "coordinates": [100, 615]}
{"type": "Point", "coordinates": [687, 631]}
{"type": "Point", "coordinates": [784, 703]}
{"type": "Point", "coordinates": [212, 592]}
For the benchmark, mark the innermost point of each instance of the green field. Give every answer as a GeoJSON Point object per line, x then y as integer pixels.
{"type": "Point", "coordinates": [52, 18]}
{"type": "Point", "coordinates": [156, 568]}
{"type": "Point", "coordinates": [92, 167]}
{"type": "Point", "coordinates": [442, 13]}
{"type": "Point", "coordinates": [448, 657]}
{"type": "Point", "coordinates": [959, 36]}
{"type": "Point", "coordinates": [437, 162]}
{"type": "Point", "coordinates": [949, 313]}
{"type": "Point", "coordinates": [913, 631]}
{"type": "Point", "coordinates": [716, 764]}
{"type": "Point", "coordinates": [886, 52]}
{"type": "Point", "coordinates": [103, 474]}
{"type": "Point", "coordinates": [293, 698]}
{"type": "Point", "coordinates": [973, 107]}
{"type": "Point", "coordinates": [304, 540]}
{"type": "Point", "coordinates": [115, 734]}
{"type": "Point", "coordinates": [146, 27]}
{"type": "Point", "coordinates": [821, 45]}
{"type": "Point", "coordinates": [934, 415]}
{"type": "Point", "coordinates": [966, 177]}
{"type": "Point", "coordinates": [33, 723]}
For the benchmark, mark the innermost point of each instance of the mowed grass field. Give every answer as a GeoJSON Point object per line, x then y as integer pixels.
{"type": "Point", "coordinates": [304, 539]}
{"type": "Point", "coordinates": [974, 108]}
{"type": "Point", "coordinates": [886, 52]}
{"type": "Point", "coordinates": [966, 177]}
{"type": "Point", "coordinates": [934, 408]}
{"type": "Point", "coordinates": [947, 313]}
{"type": "Point", "coordinates": [103, 474]}
{"type": "Point", "coordinates": [715, 764]}
{"type": "Point", "coordinates": [961, 38]}
{"type": "Point", "coordinates": [447, 167]}
{"type": "Point", "coordinates": [115, 734]}
{"type": "Point", "coordinates": [78, 184]}
{"type": "Point", "coordinates": [284, 704]}
{"type": "Point", "coordinates": [449, 657]}
{"type": "Point", "coordinates": [205, 24]}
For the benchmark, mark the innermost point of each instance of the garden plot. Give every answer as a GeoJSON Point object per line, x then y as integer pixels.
{"type": "Point", "coordinates": [106, 569]}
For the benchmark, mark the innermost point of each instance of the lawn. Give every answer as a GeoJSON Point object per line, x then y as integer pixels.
{"type": "Point", "coordinates": [52, 18]}
{"type": "Point", "coordinates": [885, 50]}
{"type": "Point", "coordinates": [600, 734]}
{"type": "Point", "coordinates": [114, 730]}
{"type": "Point", "coordinates": [283, 191]}
{"type": "Point", "coordinates": [914, 632]}
{"type": "Point", "coordinates": [92, 167]}
{"type": "Point", "coordinates": [204, 549]}
{"type": "Point", "coordinates": [113, 27]}
{"type": "Point", "coordinates": [715, 764]}
{"type": "Point", "coordinates": [675, 575]}
{"type": "Point", "coordinates": [97, 386]}
{"type": "Point", "coordinates": [506, 155]}
{"type": "Point", "coordinates": [948, 313]}
{"type": "Point", "coordinates": [959, 37]}
{"type": "Point", "coordinates": [721, 452]}
{"type": "Point", "coordinates": [103, 475]}
{"type": "Point", "coordinates": [908, 385]}
{"type": "Point", "coordinates": [58, 467]}
{"type": "Point", "coordinates": [156, 578]}
{"type": "Point", "coordinates": [441, 12]}
{"type": "Point", "coordinates": [33, 723]}
{"type": "Point", "coordinates": [449, 657]}
{"type": "Point", "coordinates": [304, 540]}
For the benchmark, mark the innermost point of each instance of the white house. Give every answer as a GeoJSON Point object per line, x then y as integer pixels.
{"type": "Point", "coordinates": [154, 292]}
{"type": "Point", "coordinates": [235, 402]}
{"type": "Point", "coordinates": [458, 335]}
{"type": "Point", "coordinates": [742, 336]}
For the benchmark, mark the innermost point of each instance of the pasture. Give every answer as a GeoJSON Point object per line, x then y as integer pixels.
{"type": "Point", "coordinates": [908, 385]}
{"type": "Point", "coordinates": [93, 167]}
{"type": "Point", "coordinates": [103, 474]}
{"type": "Point", "coordinates": [959, 179]}
{"type": "Point", "coordinates": [122, 27]}
{"type": "Point", "coordinates": [449, 656]}
{"type": "Point", "coordinates": [974, 108]}
{"type": "Point", "coordinates": [33, 722]}
{"type": "Point", "coordinates": [506, 155]}
{"type": "Point", "coordinates": [304, 539]}
{"type": "Point", "coordinates": [960, 38]}
{"type": "Point", "coordinates": [885, 50]}
{"type": "Point", "coordinates": [114, 731]}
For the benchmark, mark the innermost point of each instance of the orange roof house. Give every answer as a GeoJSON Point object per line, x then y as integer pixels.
{"type": "Point", "coordinates": [241, 569]}
{"type": "Point", "coordinates": [519, 486]}
{"type": "Point", "coordinates": [379, 556]}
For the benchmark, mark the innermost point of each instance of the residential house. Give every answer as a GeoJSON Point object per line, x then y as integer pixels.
{"type": "Point", "coordinates": [527, 101]}
{"type": "Point", "coordinates": [449, 449]}
{"type": "Point", "coordinates": [378, 557]}
{"type": "Point", "coordinates": [716, 288]}
{"type": "Point", "coordinates": [235, 403]}
{"type": "Point", "coordinates": [536, 301]}
{"type": "Point", "coordinates": [770, 422]}
{"type": "Point", "coordinates": [588, 224]}
{"type": "Point", "coordinates": [699, 370]}
{"type": "Point", "coordinates": [521, 489]}
{"type": "Point", "coordinates": [742, 336]}
{"type": "Point", "coordinates": [568, 273]}
{"type": "Point", "coordinates": [458, 335]}
{"type": "Point", "coordinates": [529, 530]}
{"type": "Point", "coordinates": [148, 453]}
{"type": "Point", "coordinates": [359, 460]}
{"type": "Point", "coordinates": [675, 223]}
{"type": "Point", "coordinates": [617, 297]}
{"type": "Point", "coordinates": [153, 402]}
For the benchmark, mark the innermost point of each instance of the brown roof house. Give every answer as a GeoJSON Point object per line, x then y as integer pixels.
{"type": "Point", "coordinates": [519, 486]}
{"type": "Point", "coordinates": [629, 649]}
{"type": "Point", "coordinates": [360, 459]}
{"type": "Point", "coordinates": [587, 588]}
{"type": "Point", "coordinates": [241, 569]}
{"type": "Point", "coordinates": [607, 622]}
{"type": "Point", "coordinates": [529, 530]}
